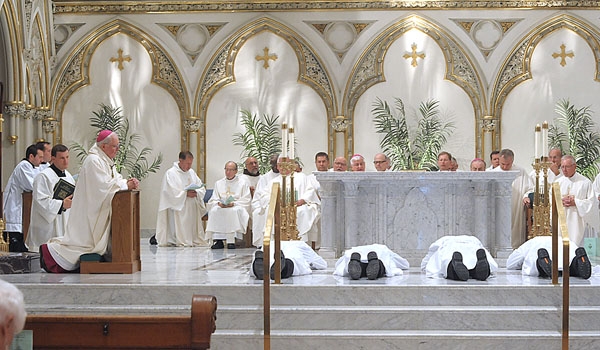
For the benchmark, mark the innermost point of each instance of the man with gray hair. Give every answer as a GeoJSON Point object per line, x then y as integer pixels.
{"type": "Point", "coordinates": [578, 198]}
{"type": "Point", "coordinates": [381, 162]}
{"type": "Point", "coordinates": [228, 208]}
{"type": "Point", "coordinates": [357, 163]}
{"type": "Point", "coordinates": [12, 313]}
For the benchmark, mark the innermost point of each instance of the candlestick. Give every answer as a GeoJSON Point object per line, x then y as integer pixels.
{"type": "Point", "coordinates": [538, 131]}
{"type": "Point", "coordinates": [292, 142]}
{"type": "Point", "coordinates": [545, 139]}
{"type": "Point", "coordinates": [284, 139]}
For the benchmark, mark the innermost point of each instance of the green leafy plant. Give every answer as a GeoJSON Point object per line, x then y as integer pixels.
{"type": "Point", "coordinates": [129, 161]}
{"type": "Point", "coordinates": [574, 132]}
{"type": "Point", "coordinates": [261, 139]}
{"type": "Point", "coordinates": [406, 153]}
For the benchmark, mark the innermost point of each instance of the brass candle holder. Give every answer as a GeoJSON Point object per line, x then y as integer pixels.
{"type": "Point", "coordinates": [289, 229]}
{"type": "Point", "coordinates": [541, 200]}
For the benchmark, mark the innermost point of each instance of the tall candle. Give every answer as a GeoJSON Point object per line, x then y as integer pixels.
{"type": "Point", "coordinates": [291, 142]}
{"type": "Point", "coordinates": [538, 132]}
{"type": "Point", "coordinates": [545, 139]}
{"type": "Point", "coordinates": [284, 139]}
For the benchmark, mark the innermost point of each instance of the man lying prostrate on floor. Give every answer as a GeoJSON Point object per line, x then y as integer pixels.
{"type": "Point", "coordinates": [297, 259]}
{"type": "Point", "coordinates": [371, 261]}
{"type": "Point", "coordinates": [458, 258]}
{"type": "Point", "coordinates": [533, 259]}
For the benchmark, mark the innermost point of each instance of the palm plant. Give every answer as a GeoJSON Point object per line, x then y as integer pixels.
{"type": "Point", "coordinates": [129, 161]}
{"type": "Point", "coordinates": [406, 153]}
{"type": "Point", "coordinates": [573, 132]}
{"type": "Point", "coordinates": [261, 139]}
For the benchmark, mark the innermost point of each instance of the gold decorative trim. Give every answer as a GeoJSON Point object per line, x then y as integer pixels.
{"type": "Point", "coordinates": [141, 6]}
{"type": "Point", "coordinates": [368, 70]}
{"type": "Point", "coordinates": [174, 31]}
{"type": "Point", "coordinates": [74, 73]}
{"type": "Point", "coordinates": [516, 69]}
{"type": "Point", "coordinates": [219, 73]}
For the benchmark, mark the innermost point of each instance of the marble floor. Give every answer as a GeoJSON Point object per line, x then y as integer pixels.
{"type": "Point", "coordinates": [203, 266]}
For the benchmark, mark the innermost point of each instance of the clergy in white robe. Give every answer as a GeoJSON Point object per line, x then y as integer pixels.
{"type": "Point", "coordinates": [578, 198]}
{"type": "Point", "coordinates": [308, 206]}
{"type": "Point", "coordinates": [304, 258]}
{"type": "Point", "coordinates": [49, 215]}
{"type": "Point", "coordinates": [228, 208]}
{"type": "Point", "coordinates": [259, 213]}
{"type": "Point", "coordinates": [393, 263]}
{"type": "Point", "coordinates": [181, 206]}
{"type": "Point", "coordinates": [251, 173]}
{"type": "Point", "coordinates": [525, 257]}
{"type": "Point", "coordinates": [20, 180]}
{"type": "Point", "coordinates": [88, 229]}
{"type": "Point", "coordinates": [520, 186]}
{"type": "Point", "coordinates": [47, 157]}
{"type": "Point", "coordinates": [435, 263]}
{"type": "Point", "coordinates": [554, 172]}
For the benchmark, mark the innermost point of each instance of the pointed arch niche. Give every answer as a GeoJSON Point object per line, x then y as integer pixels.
{"type": "Point", "coordinates": [532, 79]}
{"type": "Point", "coordinates": [295, 86]}
{"type": "Point", "coordinates": [446, 73]}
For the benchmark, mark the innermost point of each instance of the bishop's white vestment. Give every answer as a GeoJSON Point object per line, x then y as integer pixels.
{"type": "Point", "coordinates": [304, 258]}
{"type": "Point", "coordinates": [394, 263]}
{"type": "Point", "coordinates": [179, 219]}
{"type": "Point", "coordinates": [48, 217]}
{"type": "Point", "coordinates": [585, 200]}
{"type": "Point", "coordinates": [435, 263]}
{"type": "Point", "coordinates": [525, 257]}
{"type": "Point", "coordinates": [520, 186]}
{"type": "Point", "coordinates": [88, 229]}
{"type": "Point", "coordinates": [229, 223]}
{"type": "Point", "coordinates": [259, 213]}
{"type": "Point", "coordinates": [21, 180]}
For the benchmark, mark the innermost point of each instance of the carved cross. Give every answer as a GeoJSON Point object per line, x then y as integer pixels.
{"type": "Point", "coordinates": [414, 55]}
{"type": "Point", "coordinates": [266, 57]}
{"type": "Point", "coordinates": [563, 55]}
{"type": "Point", "coordinates": [120, 59]}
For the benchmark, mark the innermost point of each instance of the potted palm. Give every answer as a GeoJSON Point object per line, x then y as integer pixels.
{"type": "Point", "coordinates": [261, 138]}
{"type": "Point", "coordinates": [405, 152]}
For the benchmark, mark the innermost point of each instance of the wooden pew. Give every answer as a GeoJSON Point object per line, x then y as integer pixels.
{"type": "Point", "coordinates": [127, 332]}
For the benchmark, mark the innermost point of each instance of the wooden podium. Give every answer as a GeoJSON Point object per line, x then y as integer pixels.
{"type": "Point", "coordinates": [125, 237]}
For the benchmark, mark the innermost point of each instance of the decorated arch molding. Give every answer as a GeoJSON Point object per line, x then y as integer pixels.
{"type": "Point", "coordinates": [517, 67]}
{"type": "Point", "coordinates": [75, 72]}
{"type": "Point", "coordinates": [220, 72]}
{"type": "Point", "coordinates": [369, 71]}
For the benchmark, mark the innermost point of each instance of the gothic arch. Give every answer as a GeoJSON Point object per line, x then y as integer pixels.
{"type": "Point", "coordinates": [75, 71]}
{"type": "Point", "coordinates": [368, 71]}
{"type": "Point", "coordinates": [517, 66]}
{"type": "Point", "coordinates": [219, 73]}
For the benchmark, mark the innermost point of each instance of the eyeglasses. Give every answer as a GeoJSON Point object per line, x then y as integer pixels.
{"type": "Point", "coordinates": [379, 161]}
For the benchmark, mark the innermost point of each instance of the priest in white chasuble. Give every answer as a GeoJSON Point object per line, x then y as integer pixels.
{"type": "Point", "coordinates": [259, 214]}
{"type": "Point", "coordinates": [520, 187]}
{"type": "Point", "coordinates": [578, 198]}
{"type": "Point", "coordinates": [49, 213]}
{"type": "Point", "coordinates": [88, 229]}
{"type": "Point", "coordinates": [307, 201]}
{"type": "Point", "coordinates": [181, 206]}
{"type": "Point", "coordinates": [228, 208]}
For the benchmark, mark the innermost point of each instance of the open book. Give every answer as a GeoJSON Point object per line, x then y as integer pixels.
{"type": "Point", "coordinates": [194, 187]}
{"type": "Point", "coordinates": [63, 189]}
{"type": "Point", "coordinates": [228, 200]}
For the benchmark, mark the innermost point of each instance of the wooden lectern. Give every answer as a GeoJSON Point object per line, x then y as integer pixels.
{"type": "Point", "coordinates": [125, 237]}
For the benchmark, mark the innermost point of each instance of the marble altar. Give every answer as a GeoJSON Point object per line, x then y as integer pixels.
{"type": "Point", "coordinates": [407, 211]}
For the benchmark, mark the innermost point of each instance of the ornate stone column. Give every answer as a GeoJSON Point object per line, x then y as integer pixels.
{"type": "Point", "coordinates": [488, 135]}
{"type": "Point", "coordinates": [331, 234]}
{"type": "Point", "coordinates": [14, 110]}
{"type": "Point", "coordinates": [48, 124]}
{"type": "Point", "coordinates": [192, 125]}
{"type": "Point", "coordinates": [340, 126]}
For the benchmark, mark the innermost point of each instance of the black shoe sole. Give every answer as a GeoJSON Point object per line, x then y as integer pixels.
{"type": "Point", "coordinates": [258, 265]}
{"type": "Point", "coordinates": [456, 269]}
{"type": "Point", "coordinates": [584, 266]}
{"type": "Point", "coordinates": [482, 267]}
{"type": "Point", "coordinates": [354, 267]}
{"type": "Point", "coordinates": [288, 270]}
{"type": "Point", "coordinates": [372, 266]}
{"type": "Point", "coordinates": [230, 245]}
{"type": "Point", "coordinates": [216, 245]}
{"type": "Point", "coordinates": [272, 270]}
{"type": "Point", "coordinates": [543, 263]}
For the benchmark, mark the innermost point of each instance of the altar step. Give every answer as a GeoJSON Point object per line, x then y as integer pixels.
{"type": "Point", "coordinates": [356, 314]}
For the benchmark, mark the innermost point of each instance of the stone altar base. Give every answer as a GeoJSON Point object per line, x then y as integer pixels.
{"type": "Point", "coordinates": [322, 311]}
{"type": "Point", "coordinates": [19, 263]}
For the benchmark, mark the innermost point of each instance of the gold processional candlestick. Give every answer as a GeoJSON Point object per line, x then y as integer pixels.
{"type": "Point", "coordinates": [541, 195]}
{"type": "Point", "coordinates": [289, 229]}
